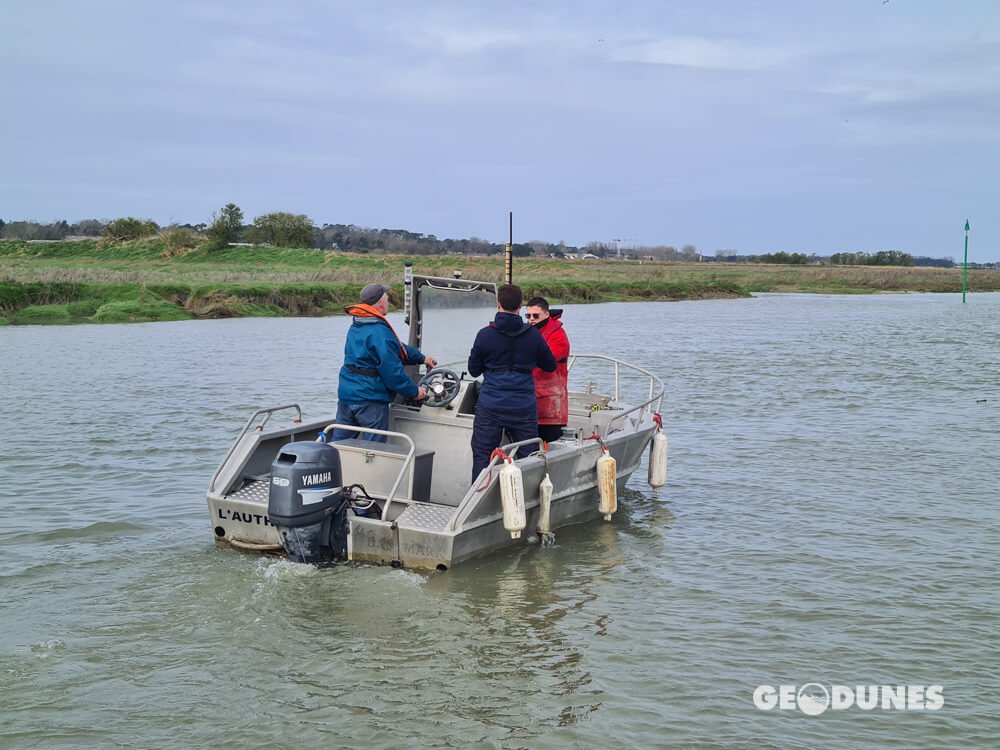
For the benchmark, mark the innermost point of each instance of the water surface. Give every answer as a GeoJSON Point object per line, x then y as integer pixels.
{"type": "Point", "coordinates": [831, 516]}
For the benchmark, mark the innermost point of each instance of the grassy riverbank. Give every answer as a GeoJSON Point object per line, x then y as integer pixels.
{"type": "Point", "coordinates": [70, 282]}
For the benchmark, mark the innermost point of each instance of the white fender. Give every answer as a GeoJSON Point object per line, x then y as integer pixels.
{"type": "Point", "coordinates": [512, 498]}
{"type": "Point", "coordinates": [658, 460]}
{"type": "Point", "coordinates": [545, 504]}
{"type": "Point", "coordinates": [606, 468]}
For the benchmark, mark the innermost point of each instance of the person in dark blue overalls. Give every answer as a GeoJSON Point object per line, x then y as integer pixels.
{"type": "Point", "coordinates": [505, 353]}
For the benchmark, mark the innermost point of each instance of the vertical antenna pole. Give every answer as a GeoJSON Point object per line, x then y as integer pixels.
{"type": "Point", "coordinates": [508, 276]}
{"type": "Point", "coordinates": [407, 289]}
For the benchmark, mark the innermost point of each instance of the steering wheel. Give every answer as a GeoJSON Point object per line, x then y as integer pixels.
{"type": "Point", "coordinates": [442, 386]}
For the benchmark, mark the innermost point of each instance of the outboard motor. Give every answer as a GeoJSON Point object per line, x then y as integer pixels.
{"type": "Point", "coordinates": [306, 503]}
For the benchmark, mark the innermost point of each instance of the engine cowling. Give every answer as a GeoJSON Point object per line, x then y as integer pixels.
{"type": "Point", "coordinates": [307, 504]}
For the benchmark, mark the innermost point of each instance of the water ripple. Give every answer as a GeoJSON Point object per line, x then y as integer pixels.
{"type": "Point", "coordinates": [830, 515]}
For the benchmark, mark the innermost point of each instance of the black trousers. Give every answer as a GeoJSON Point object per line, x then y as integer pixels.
{"type": "Point", "coordinates": [488, 427]}
{"type": "Point", "coordinates": [550, 432]}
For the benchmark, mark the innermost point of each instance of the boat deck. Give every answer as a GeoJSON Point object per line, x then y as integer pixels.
{"type": "Point", "coordinates": [418, 516]}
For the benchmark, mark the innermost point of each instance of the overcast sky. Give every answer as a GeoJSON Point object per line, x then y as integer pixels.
{"type": "Point", "coordinates": [753, 125]}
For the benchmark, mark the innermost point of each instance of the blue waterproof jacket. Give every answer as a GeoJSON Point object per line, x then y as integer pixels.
{"type": "Point", "coordinates": [506, 353]}
{"type": "Point", "coordinates": [372, 346]}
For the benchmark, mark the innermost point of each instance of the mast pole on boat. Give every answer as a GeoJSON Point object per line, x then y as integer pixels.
{"type": "Point", "coordinates": [508, 276]}
{"type": "Point", "coordinates": [407, 289]}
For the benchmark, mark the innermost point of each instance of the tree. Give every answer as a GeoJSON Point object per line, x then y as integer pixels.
{"type": "Point", "coordinates": [128, 228]}
{"type": "Point", "coordinates": [226, 226]}
{"type": "Point", "coordinates": [87, 227]}
{"type": "Point", "coordinates": [282, 229]}
{"type": "Point", "coordinates": [178, 240]}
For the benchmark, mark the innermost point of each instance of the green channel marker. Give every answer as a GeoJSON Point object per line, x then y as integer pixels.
{"type": "Point", "coordinates": [965, 263]}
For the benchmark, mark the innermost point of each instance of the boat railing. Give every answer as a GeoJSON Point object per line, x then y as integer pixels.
{"type": "Point", "coordinates": [511, 450]}
{"type": "Point", "coordinates": [328, 431]}
{"type": "Point", "coordinates": [260, 427]}
{"type": "Point", "coordinates": [656, 386]}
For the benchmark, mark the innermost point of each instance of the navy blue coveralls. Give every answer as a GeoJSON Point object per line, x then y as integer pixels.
{"type": "Point", "coordinates": [505, 353]}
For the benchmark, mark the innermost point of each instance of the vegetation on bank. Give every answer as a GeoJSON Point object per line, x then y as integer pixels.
{"type": "Point", "coordinates": [283, 229]}
{"type": "Point", "coordinates": [145, 280]}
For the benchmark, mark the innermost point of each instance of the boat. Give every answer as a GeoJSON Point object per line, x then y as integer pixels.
{"type": "Point", "coordinates": [284, 488]}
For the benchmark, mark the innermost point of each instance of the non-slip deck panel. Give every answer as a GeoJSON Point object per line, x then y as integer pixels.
{"type": "Point", "coordinates": [425, 517]}
{"type": "Point", "coordinates": [255, 492]}
{"type": "Point", "coordinates": [421, 516]}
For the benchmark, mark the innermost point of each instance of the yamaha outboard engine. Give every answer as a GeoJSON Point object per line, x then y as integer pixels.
{"type": "Point", "coordinates": [306, 503]}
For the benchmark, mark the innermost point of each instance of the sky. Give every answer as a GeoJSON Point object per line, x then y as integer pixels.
{"type": "Point", "coordinates": [746, 125]}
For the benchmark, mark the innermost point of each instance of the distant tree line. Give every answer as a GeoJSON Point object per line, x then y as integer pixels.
{"type": "Point", "coordinates": [227, 226]}
{"type": "Point", "coordinates": [282, 229]}
{"type": "Point", "coordinates": [357, 239]}
{"type": "Point", "coordinates": [794, 259]}
{"type": "Point", "coordinates": [923, 260]}
{"type": "Point", "coordinates": [57, 230]}
{"type": "Point", "coordinates": [880, 258]}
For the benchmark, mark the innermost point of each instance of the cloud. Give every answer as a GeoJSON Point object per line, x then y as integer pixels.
{"type": "Point", "coordinates": [701, 52]}
{"type": "Point", "coordinates": [416, 110]}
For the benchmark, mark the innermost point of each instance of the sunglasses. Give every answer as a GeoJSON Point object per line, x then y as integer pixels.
{"type": "Point", "coordinates": [532, 316]}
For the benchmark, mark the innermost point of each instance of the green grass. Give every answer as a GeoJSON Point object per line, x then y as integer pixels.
{"type": "Point", "coordinates": [93, 310]}
{"type": "Point", "coordinates": [134, 311]}
{"type": "Point", "coordinates": [63, 282]}
{"type": "Point", "coordinates": [42, 315]}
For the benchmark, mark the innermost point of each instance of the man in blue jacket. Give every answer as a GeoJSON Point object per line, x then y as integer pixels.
{"type": "Point", "coordinates": [506, 353]}
{"type": "Point", "coordinates": [372, 373]}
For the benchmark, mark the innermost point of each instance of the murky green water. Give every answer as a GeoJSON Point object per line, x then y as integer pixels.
{"type": "Point", "coordinates": [832, 515]}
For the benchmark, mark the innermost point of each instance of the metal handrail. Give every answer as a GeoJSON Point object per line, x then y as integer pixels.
{"type": "Point", "coordinates": [406, 462]}
{"type": "Point", "coordinates": [268, 411]}
{"type": "Point", "coordinates": [507, 448]}
{"type": "Point", "coordinates": [656, 391]}
{"type": "Point", "coordinates": [654, 381]}
{"type": "Point", "coordinates": [511, 450]}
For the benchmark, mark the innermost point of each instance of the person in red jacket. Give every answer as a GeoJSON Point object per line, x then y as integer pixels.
{"type": "Point", "coordinates": [550, 387]}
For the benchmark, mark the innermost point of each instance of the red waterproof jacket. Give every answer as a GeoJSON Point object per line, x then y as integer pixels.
{"type": "Point", "coordinates": [550, 387]}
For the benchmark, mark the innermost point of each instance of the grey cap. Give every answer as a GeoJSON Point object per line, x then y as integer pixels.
{"type": "Point", "coordinates": [373, 293]}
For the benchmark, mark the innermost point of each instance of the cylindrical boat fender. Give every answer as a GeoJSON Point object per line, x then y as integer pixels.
{"type": "Point", "coordinates": [544, 504]}
{"type": "Point", "coordinates": [512, 498]}
{"type": "Point", "coordinates": [606, 485]}
{"type": "Point", "coordinates": [658, 461]}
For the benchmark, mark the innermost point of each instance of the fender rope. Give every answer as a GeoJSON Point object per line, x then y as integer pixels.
{"type": "Point", "coordinates": [497, 453]}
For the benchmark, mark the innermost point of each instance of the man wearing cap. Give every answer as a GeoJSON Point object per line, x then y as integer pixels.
{"type": "Point", "coordinates": [372, 373]}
